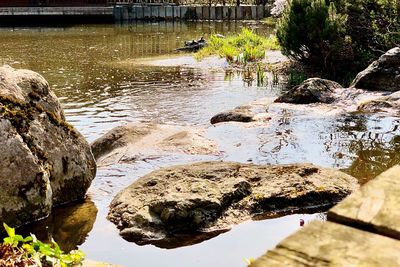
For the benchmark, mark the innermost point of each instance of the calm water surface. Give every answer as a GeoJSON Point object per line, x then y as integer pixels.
{"type": "Point", "coordinates": [97, 94]}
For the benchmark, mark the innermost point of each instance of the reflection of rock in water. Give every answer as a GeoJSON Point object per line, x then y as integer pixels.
{"type": "Point", "coordinates": [68, 225]}
{"type": "Point", "coordinates": [182, 240]}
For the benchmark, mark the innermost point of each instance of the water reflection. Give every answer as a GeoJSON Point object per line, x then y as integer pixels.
{"type": "Point", "coordinates": [69, 226]}
{"type": "Point", "coordinates": [97, 95]}
{"type": "Point", "coordinates": [375, 145]}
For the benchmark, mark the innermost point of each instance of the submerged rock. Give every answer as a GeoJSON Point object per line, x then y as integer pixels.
{"type": "Point", "coordinates": [45, 161]}
{"type": "Point", "coordinates": [138, 141]}
{"type": "Point", "coordinates": [211, 196]}
{"type": "Point", "coordinates": [240, 114]}
{"type": "Point", "coordinates": [384, 103]}
{"type": "Point", "coordinates": [382, 75]}
{"type": "Point", "coordinates": [313, 90]}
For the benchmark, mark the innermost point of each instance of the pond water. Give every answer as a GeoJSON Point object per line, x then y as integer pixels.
{"type": "Point", "coordinates": [97, 94]}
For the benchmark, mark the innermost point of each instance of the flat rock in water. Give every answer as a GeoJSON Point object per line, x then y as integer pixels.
{"type": "Point", "coordinates": [374, 207]}
{"type": "Point", "coordinates": [331, 244]}
{"type": "Point", "coordinates": [136, 141]}
{"type": "Point", "coordinates": [313, 90]}
{"type": "Point", "coordinates": [209, 197]}
{"type": "Point", "coordinates": [382, 75]}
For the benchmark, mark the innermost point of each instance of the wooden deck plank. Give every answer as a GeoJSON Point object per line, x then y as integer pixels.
{"type": "Point", "coordinates": [331, 244]}
{"type": "Point", "coordinates": [375, 207]}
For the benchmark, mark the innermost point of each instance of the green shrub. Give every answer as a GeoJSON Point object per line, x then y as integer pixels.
{"type": "Point", "coordinates": [312, 31]}
{"type": "Point", "coordinates": [338, 35]}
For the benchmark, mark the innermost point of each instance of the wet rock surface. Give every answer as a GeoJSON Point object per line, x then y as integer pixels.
{"type": "Point", "coordinates": [388, 103]}
{"type": "Point", "coordinates": [382, 75]}
{"type": "Point", "coordinates": [240, 114]}
{"type": "Point", "coordinates": [313, 90]}
{"type": "Point", "coordinates": [142, 141]}
{"type": "Point", "coordinates": [45, 161]}
{"type": "Point", "coordinates": [176, 205]}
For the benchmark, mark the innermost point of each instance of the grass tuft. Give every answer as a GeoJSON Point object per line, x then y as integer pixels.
{"type": "Point", "coordinates": [244, 47]}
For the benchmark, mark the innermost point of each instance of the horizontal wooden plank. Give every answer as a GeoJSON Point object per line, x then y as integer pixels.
{"type": "Point", "coordinates": [331, 244]}
{"type": "Point", "coordinates": [375, 207]}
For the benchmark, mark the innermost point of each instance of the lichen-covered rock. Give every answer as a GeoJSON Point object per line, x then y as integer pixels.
{"type": "Point", "coordinates": [211, 196]}
{"type": "Point", "coordinates": [382, 75]}
{"type": "Point", "coordinates": [385, 103]}
{"type": "Point", "coordinates": [45, 161]}
{"type": "Point", "coordinates": [313, 90]}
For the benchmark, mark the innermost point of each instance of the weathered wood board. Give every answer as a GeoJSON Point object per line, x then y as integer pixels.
{"type": "Point", "coordinates": [331, 244]}
{"type": "Point", "coordinates": [375, 207]}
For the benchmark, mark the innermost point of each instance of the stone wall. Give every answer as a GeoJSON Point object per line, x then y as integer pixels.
{"type": "Point", "coordinates": [154, 12]}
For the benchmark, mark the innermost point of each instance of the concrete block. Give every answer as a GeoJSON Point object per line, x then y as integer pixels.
{"type": "Point", "coordinates": [146, 12]}
{"type": "Point", "coordinates": [260, 12]}
{"type": "Point", "coordinates": [232, 13]}
{"type": "Point", "coordinates": [140, 13]}
{"type": "Point", "coordinates": [225, 13]}
{"type": "Point", "coordinates": [247, 13]}
{"type": "Point", "coordinates": [184, 12]}
{"type": "Point", "coordinates": [161, 13]}
{"type": "Point", "coordinates": [169, 13]}
{"type": "Point", "coordinates": [155, 12]}
{"type": "Point", "coordinates": [206, 12]}
{"type": "Point", "coordinates": [254, 12]}
{"type": "Point", "coordinates": [239, 12]}
{"type": "Point", "coordinates": [191, 13]}
{"type": "Point", "coordinates": [218, 12]}
{"type": "Point", "coordinates": [177, 12]}
{"type": "Point", "coordinates": [133, 13]}
{"type": "Point", "coordinates": [212, 13]}
{"type": "Point", "coordinates": [199, 13]}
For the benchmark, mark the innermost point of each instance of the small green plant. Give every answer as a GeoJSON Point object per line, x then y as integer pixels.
{"type": "Point", "coordinates": [30, 251]}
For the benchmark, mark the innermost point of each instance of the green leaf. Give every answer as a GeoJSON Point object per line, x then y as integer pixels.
{"type": "Point", "coordinates": [10, 231]}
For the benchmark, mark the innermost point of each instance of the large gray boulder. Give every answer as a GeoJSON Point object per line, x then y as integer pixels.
{"type": "Point", "coordinates": [211, 196]}
{"type": "Point", "coordinates": [313, 90]}
{"type": "Point", "coordinates": [382, 75]}
{"type": "Point", "coordinates": [45, 161]}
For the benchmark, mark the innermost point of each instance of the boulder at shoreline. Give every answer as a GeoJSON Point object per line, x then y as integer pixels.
{"type": "Point", "coordinates": [45, 162]}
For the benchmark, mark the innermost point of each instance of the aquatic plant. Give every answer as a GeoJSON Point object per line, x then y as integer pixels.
{"type": "Point", "coordinates": [29, 251]}
{"type": "Point", "coordinates": [261, 77]}
{"type": "Point", "coordinates": [247, 46]}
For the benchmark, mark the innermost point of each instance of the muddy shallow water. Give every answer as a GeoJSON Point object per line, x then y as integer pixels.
{"type": "Point", "coordinates": [82, 64]}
